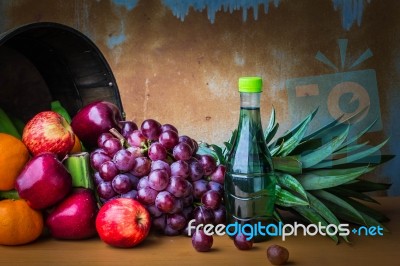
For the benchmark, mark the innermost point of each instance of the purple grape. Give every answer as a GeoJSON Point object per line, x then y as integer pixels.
{"type": "Point", "coordinates": [151, 129]}
{"type": "Point", "coordinates": [180, 168]}
{"type": "Point", "coordinates": [105, 190]}
{"type": "Point", "coordinates": [160, 165]}
{"type": "Point", "coordinates": [108, 170]}
{"type": "Point", "coordinates": [111, 146]}
{"type": "Point", "coordinates": [209, 164]}
{"type": "Point", "coordinates": [165, 201]}
{"type": "Point", "coordinates": [241, 242]}
{"type": "Point", "coordinates": [220, 215]}
{"type": "Point", "coordinates": [166, 127]}
{"type": "Point", "coordinates": [133, 179]}
{"type": "Point", "coordinates": [176, 221]}
{"type": "Point", "coordinates": [132, 194]}
{"type": "Point", "coordinates": [143, 182]}
{"type": "Point", "coordinates": [187, 212]}
{"type": "Point", "coordinates": [127, 127]}
{"type": "Point", "coordinates": [169, 231]}
{"type": "Point", "coordinates": [203, 215]}
{"type": "Point", "coordinates": [159, 223]}
{"type": "Point", "coordinates": [188, 141]}
{"type": "Point", "coordinates": [211, 199]}
{"type": "Point", "coordinates": [142, 167]}
{"type": "Point", "coordinates": [135, 151]}
{"type": "Point", "coordinates": [199, 188]}
{"type": "Point", "coordinates": [124, 160]}
{"type": "Point", "coordinates": [103, 137]}
{"type": "Point", "coordinates": [212, 185]}
{"type": "Point", "coordinates": [182, 151]}
{"type": "Point", "coordinates": [157, 152]}
{"type": "Point", "coordinates": [196, 171]}
{"type": "Point", "coordinates": [147, 195]}
{"type": "Point", "coordinates": [121, 183]}
{"type": "Point", "coordinates": [196, 146]}
{"type": "Point", "coordinates": [97, 178]}
{"type": "Point", "coordinates": [202, 242]}
{"type": "Point", "coordinates": [169, 139]}
{"type": "Point", "coordinates": [219, 174]}
{"type": "Point", "coordinates": [97, 158]}
{"type": "Point", "coordinates": [158, 179]}
{"type": "Point", "coordinates": [154, 211]}
{"type": "Point", "coordinates": [187, 201]}
{"type": "Point", "coordinates": [178, 186]}
{"type": "Point", "coordinates": [136, 139]}
{"type": "Point", "coordinates": [178, 206]}
{"type": "Point", "coordinates": [189, 191]}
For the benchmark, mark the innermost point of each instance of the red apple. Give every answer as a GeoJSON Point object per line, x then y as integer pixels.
{"type": "Point", "coordinates": [123, 222]}
{"type": "Point", "coordinates": [48, 131]}
{"type": "Point", "coordinates": [75, 216]}
{"type": "Point", "coordinates": [44, 181]}
{"type": "Point", "coordinates": [93, 120]}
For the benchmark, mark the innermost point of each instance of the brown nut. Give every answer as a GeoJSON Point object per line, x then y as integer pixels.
{"type": "Point", "coordinates": [277, 255]}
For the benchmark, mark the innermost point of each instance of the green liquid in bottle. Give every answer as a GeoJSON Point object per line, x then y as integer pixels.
{"type": "Point", "coordinates": [249, 179]}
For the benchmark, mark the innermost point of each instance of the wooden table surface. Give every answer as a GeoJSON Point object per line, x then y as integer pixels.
{"type": "Point", "coordinates": [163, 250]}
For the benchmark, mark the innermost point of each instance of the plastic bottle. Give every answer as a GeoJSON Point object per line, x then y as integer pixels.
{"type": "Point", "coordinates": [250, 180]}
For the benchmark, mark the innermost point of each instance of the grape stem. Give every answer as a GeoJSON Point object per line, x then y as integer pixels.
{"type": "Point", "coordinates": [119, 137]}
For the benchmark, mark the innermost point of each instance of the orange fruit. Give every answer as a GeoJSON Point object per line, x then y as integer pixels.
{"type": "Point", "coordinates": [77, 146]}
{"type": "Point", "coordinates": [19, 223]}
{"type": "Point", "coordinates": [13, 157]}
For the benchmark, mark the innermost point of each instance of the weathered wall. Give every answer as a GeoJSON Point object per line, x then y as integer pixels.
{"type": "Point", "coordinates": [184, 70]}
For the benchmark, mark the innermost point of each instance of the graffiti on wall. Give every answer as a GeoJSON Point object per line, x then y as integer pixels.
{"type": "Point", "coordinates": [340, 95]}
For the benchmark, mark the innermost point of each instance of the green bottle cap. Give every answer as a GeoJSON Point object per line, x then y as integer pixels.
{"type": "Point", "coordinates": [250, 84]}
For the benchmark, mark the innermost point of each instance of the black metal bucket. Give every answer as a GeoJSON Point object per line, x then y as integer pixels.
{"type": "Point", "coordinates": [42, 62]}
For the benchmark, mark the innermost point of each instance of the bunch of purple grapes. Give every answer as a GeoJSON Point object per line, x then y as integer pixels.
{"type": "Point", "coordinates": [161, 169]}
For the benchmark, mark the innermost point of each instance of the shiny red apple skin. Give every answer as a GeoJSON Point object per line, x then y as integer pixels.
{"type": "Point", "coordinates": [123, 223]}
{"type": "Point", "coordinates": [74, 217]}
{"type": "Point", "coordinates": [44, 181]}
{"type": "Point", "coordinates": [48, 131]}
{"type": "Point", "coordinates": [94, 119]}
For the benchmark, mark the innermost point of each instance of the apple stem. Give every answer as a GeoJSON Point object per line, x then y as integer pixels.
{"type": "Point", "coordinates": [120, 137]}
{"type": "Point", "coordinates": [10, 194]}
{"type": "Point", "coordinates": [79, 167]}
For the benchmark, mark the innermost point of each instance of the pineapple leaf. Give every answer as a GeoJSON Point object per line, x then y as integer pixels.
{"type": "Point", "coordinates": [293, 137]}
{"type": "Point", "coordinates": [271, 134]}
{"type": "Point", "coordinates": [272, 123]}
{"type": "Point", "coordinates": [289, 182]}
{"type": "Point", "coordinates": [286, 199]}
{"type": "Point", "coordinates": [313, 217]}
{"type": "Point", "coordinates": [324, 211]}
{"type": "Point", "coordinates": [327, 178]}
{"type": "Point", "coordinates": [323, 130]}
{"type": "Point", "coordinates": [218, 153]}
{"type": "Point", "coordinates": [324, 151]}
{"type": "Point", "coordinates": [349, 148]}
{"type": "Point", "coordinates": [367, 210]}
{"type": "Point", "coordinates": [288, 164]}
{"type": "Point", "coordinates": [352, 157]}
{"type": "Point", "coordinates": [346, 207]}
{"type": "Point", "coordinates": [372, 160]}
{"type": "Point", "coordinates": [359, 135]}
{"type": "Point", "coordinates": [277, 216]}
{"type": "Point", "coordinates": [366, 186]}
{"type": "Point", "coordinates": [343, 192]}
{"type": "Point", "coordinates": [369, 221]}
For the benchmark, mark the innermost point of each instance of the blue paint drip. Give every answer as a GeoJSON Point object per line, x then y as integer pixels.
{"type": "Point", "coordinates": [180, 9]}
{"type": "Point", "coordinates": [116, 40]}
{"type": "Point", "coordinates": [128, 4]}
{"type": "Point", "coordinates": [352, 10]}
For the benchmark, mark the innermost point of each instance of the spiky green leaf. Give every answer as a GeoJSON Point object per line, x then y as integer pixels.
{"type": "Point", "coordinates": [286, 199]}
{"type": "Point", "coordinates": [316, 156]}
{"type": "Point", "coordinates": [359, 135]}
{"type": "Point", "coordinates": [327, 178]}
{"type": "Point", "coordinates": [288, 164]}
{"type": "Point", "coordinates": [313, 217]}
{"type": "Point", "coordinates": [366, 186]}
{"type": "Point", "coordinates": [322, 194]}
{"type": "Point", "coordinates": [287, 181]}
{"type": "Point", "coordinates": [271, 123]}
{"type": "Point", "coordinates": [352, 157]}
{"type": "Point", "coordinates": [367, 210]}
{"type": "Point", "coordinates": [349, 149]}
{"type": "Point", "coordinates": [343, 192]}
